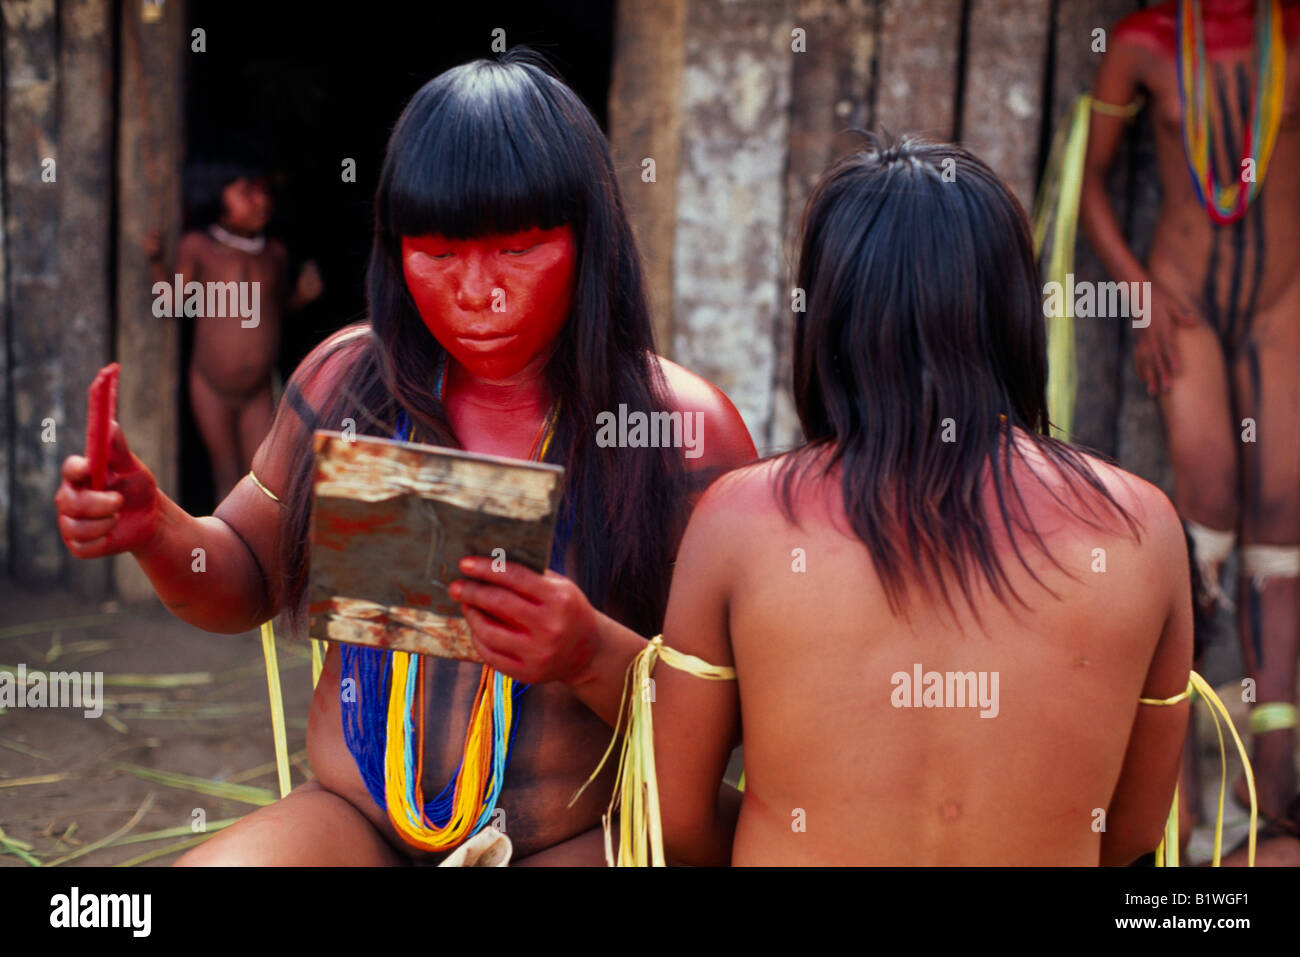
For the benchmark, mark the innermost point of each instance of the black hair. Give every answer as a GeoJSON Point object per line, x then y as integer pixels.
{"type": "Point", "coordinates": [920, 359]}
{"type": "Point", "coordinates": [497, 146]}
{"type": "Point", "coordinates": [206, 176]}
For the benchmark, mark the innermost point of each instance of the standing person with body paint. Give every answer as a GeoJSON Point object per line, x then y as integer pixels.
{"type": "Point", "coordinates": [1222, 352]}
{"type": "Point", "coordinates": [507, 310]}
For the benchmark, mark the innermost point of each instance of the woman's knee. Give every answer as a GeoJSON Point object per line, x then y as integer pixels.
{"type": "Point", "coordinates": [309, 827]}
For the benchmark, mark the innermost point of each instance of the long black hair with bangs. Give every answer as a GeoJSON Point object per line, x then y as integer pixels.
{"type": "Point", "coordinates": [923, 305]}
{"type": "Point", "coordinates": [498, 146]}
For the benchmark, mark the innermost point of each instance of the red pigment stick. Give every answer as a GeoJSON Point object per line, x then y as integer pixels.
{"type": "Point", "coordinates": [101, 409]}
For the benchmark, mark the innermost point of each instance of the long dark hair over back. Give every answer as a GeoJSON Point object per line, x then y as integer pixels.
{"type": "Point", "coordinates": [498, 146]}
{"type": "Point", "coordinates": [920, 357]}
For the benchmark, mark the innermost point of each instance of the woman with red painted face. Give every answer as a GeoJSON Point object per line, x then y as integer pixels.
{"type": "Point", "coordinates": [504, 291]}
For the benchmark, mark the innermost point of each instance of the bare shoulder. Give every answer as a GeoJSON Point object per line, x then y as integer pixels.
{"type": "Point", "coordinates": [1066, 495]}
{"type": "Point", "coordinates": [1151, 27]}
{"type": "Point", "coordinates": [307, 392]}
{"type": "Point", "coordinates": [729, 523]}
{"type": "Point", "coordinates": [195, 246]}
{"type": "Point", "coordinates": [1137, 45]}
{"type": "Point", "coordinates": [1135, 493]}
{"type": "Point", "coordinates": [1158, 524]}
{"type": "Point", "coordinates": [726, 440]}
{"type": "Point", "coordinates": [319, 374]}
{"type": "Point", "coordinates": [738, 503]}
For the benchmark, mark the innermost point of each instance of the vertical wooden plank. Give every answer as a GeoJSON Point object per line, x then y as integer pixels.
{"type": "Point", "coordinates": [920, 43]}
{"type": "Point", "coordinates": [150, 148]}
{"type": "Point", "coordinates": [6, 386]}
{"type": "Point", "coordinates": [830, 93]}
{"type": "Point", "coordinates": [1003, 104]}
{"type": "Point", "coordinates": [85, 202]}
{"type": "Point", "coordinates": [730, 200]}
{"type": "Point", "coordinates": [1098, 342]}
{"type": "Point", "coordinates": [31, 218]}
{"type": "Point", "coordinates": [645, 121]}
{"type": "Point", "coordinates": [1141, 446]}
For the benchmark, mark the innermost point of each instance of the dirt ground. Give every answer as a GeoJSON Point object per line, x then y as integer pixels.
{"type": "Point", "coordinates": [62, 787]}
{"type": "Point", "coordinates": [217, 727]}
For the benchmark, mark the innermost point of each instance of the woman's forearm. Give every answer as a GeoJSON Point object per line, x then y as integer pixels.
{"type": "Point", "coordinates": [600, 684]}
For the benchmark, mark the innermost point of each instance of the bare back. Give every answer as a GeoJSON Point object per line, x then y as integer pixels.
{"type": "Point", "coordinates": [838, 772]}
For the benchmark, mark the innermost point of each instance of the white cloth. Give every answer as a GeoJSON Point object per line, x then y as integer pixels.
{"type": "Point", "coordinates": [488, 848]}
{"type": "Point", "coordinates": [1212, 549]}
{"type": "Point", "coordinates": [1262, 562]}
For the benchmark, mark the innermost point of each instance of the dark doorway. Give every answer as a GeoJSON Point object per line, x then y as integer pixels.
{"type": "Point", "coordinates": [308, 86]}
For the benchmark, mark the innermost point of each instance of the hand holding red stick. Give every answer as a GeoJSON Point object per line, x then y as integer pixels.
{"type": "Point", "coordinates": [94, 519]}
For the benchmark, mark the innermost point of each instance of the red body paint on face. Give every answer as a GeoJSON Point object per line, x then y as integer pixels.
{"type": "Point", "coordinates": [496, 302]}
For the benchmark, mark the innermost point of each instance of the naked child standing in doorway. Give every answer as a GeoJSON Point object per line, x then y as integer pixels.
{"type": "Point", "coordinates": [233, 281]}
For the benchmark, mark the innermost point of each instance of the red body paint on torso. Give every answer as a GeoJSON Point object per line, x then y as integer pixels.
{"type": "Point", "coordinates": [1228, 25]}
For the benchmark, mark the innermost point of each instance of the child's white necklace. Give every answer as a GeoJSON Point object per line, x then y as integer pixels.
{"type": "Point", "coordinates": [242, 243]}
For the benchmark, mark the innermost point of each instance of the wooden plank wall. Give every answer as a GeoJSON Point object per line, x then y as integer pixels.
{"type": "Point", "coordinates": [65, 311]}
{"type": "Point", "coordinates": [738, 119]}
{"type": "Point", "coordinates": [830, 93]}
{"type": "Point", "coordinates": [728, 287]}
{"type": "Point", "coordinates": [645, 119]}
{"type": "Point", "coordinates": [84, 216]}
{"type": "Point", "coordinates": [150, 147]}
{"type": "Point", "coordinates": [1002, 99]}
{"type": "Point", "coordinates": [31, 227]}
{"type": "Point", "coordinates": [999, 75]}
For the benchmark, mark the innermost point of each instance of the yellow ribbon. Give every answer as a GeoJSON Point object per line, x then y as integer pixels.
{"type": "Point", "coordinates": [277, 707]}
{"type": "Point", "coordinates": [276, 695]}
{"type": "Point", "coordinates": [318, 650]}
{"type": "Point", "coordinates": [1167, 851]}
{"type": "Point", "coordinates": [1126, 111]}
{"type": "Point", "coordinates": [636, 788]}
{"type": "Point", "coordinates": [1272, 716]}
{"type": "Point", "coordinates": [1057, 206]}
{"type": "Point", "coordinates": [1185, 693]}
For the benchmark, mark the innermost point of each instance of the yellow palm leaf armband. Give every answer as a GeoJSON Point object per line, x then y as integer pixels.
{"type": "Point", "coordinates": [1272, 716]}
{"type": "Point", "coordinates": [1167, 852]}
{"type": "Point", "coordinates": [636, 788]}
